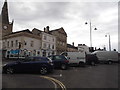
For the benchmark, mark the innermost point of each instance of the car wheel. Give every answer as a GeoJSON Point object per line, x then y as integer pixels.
{"type": "Point", "coordinates": [81, 64]}
{"type": "Point", "coordinates": [109, 62]}
{"type": "Point", "coordinates": [43, 70]}
{"type": "Point", "coordinates": [93, 63]}
{"type": "Point", "coordinates": [63, 66]}
{"type": "Point", "coordinates": [9, 70]}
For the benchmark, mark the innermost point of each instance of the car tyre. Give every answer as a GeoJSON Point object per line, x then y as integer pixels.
{"type": "Point", "coordinates": [43, 70]}
{"type": "Point", "coordinates": [109, 62]}
{"type": "Point", "coordinates": [63, 67]}
{"type": "Point", "coordinates": [93, 63]}
{"type": "Point", "coordinates": [9, 70]}
{"type": "Point", "coordinates": [81, 64]}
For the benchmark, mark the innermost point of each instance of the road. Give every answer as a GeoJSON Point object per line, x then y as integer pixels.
{"type": "Point", "coordinates": [100, 76]}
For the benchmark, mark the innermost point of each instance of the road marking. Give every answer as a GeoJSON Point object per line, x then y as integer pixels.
{"type": "Point", "coordinates": [54, 84]}
{"type": "Point", "coordinates": [55, 81]}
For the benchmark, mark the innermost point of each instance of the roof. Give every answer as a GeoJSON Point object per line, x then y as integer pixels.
{"type": "Point", "coordinates": [59, 29]}
{"type": "Point", "coordinates": [71, 46]}
{"type": "Point", "coordinates": [26, 30]}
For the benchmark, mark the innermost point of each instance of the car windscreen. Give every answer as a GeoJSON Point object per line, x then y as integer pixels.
{"type": "Point", "coordinates": [60, 58]}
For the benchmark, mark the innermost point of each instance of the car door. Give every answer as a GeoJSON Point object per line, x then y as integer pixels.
{"type": "Point", "coordinates": [26, 66]}
{"type": "Point", "coordinates": [57, 61]}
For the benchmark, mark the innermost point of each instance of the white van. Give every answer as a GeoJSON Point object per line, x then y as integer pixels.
{"type": "Point", "coordinates": [75, 57]}
{"type": "Point", "coordinates": [107, 56]}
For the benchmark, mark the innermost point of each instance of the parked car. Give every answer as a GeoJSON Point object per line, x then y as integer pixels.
{"type": "Point", "coordinates": [107, 56]}
{"type": "Point", "coordinates": [75, 58]}
{"type": "Point", "coordinates": [59, 61]}
{"type": "Point", "coordinates": [42, 65]}
{"type": "Point", "coordinates": [91, 59]}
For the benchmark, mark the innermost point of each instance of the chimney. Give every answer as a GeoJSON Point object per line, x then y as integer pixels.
{"type": "Point", "coordinates": [44, 29]}
{"type": "Point", "coordinates": [47, 29]}
{"type": "Point", "coordinates": [73, 43]}
{"type": "Point", "coordinates": [83, 44]}
{"type": "Point", "coordinates": [79, 44]}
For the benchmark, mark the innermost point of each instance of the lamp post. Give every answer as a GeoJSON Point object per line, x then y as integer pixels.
{"type": "Point", "coordinates": [109, 41]}
{"type": "Point", "coordinates": [90, 32]}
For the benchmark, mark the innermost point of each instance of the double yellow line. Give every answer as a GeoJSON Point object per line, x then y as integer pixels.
{"type": "Point", "coordinates": [55, 81]}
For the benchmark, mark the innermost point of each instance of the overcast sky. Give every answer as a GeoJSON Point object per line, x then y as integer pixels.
{"type": "Point", "coordinates": [72, 17]}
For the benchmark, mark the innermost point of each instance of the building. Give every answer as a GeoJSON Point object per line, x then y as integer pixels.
{"type": "Point", "coordinates": [21, 44]}
{"type": "Point", "coordinates": [48, 45]}
{"type": "Point", "coordinates": [83, 48]}
{"type": "Point", "coordinates": [53, 41]}
{"type": "Point", "coordinates": [71, 48]}
{"type": "Point", "coordinates": [7, 26]}
{"type": "Point", "coordinates": [61, 39]}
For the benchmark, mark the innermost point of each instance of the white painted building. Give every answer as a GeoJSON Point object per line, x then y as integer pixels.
{"type": "Point", "coordinates": [83, 48]}
{"type": "Point", "coordinates": [48, 44]}
{"type": "Point", "coordinates": [22, 44]}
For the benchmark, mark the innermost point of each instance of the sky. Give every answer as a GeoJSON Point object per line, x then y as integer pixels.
{"type": "Point", "coordinates": [71, 15]}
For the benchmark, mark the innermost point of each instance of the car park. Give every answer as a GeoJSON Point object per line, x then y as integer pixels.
{"type": "Point", "coordinates": [43, 65]}
{"type": "Point", "coordinates": [59, 61]}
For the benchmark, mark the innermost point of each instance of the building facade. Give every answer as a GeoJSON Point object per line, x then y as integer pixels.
{"type": "Point", "coordinates": [48, 45]}
{"type": "Point", "coordinates": [61, 40]}
{"type": "Point", "coordinates": [71, 48]}
{"type": "Point", "coordinates": [21, 44]}
{"type": "Point", "coordinates": [83, 48]}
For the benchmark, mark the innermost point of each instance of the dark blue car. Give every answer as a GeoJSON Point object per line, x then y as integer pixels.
{"type": "Point", "coordinates": [42, 65]}
{"type": "Point", "coordinates": [59, 61]}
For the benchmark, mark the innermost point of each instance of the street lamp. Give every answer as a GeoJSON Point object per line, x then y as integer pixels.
{"type": "Point", "coordinates": [109, 41]}
{"type": "Point", "coordinates": [90, 32]}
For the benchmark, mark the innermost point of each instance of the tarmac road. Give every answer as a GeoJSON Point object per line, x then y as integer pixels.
{"type": "Point", "coordinates": [100, 76]}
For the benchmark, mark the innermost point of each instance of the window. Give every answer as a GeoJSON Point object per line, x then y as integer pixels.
{"type": "Point", "coordinates": [49, 46]}
{"type": "Point", "coordinates": [25, 43]}
{"type": "Point", "coordinates": [38, 52]}
{"type": "Point", "coordinates": [8, 44]}
{"type": "Point", "coordinates": [57, 58]}
{"type": "Point", "coordinates": [11, 43]}
{"type": "Point", "coordinates": [53, 39]}
{"type": "Point", "coordinates": [63, 43]}
{"type": "Point", "coordinates": [53, 53]}
{"type": "Point", "coordinates": [16, 43]}
{"type": "Point", "coordinates": [44, 45]}
{"type": "Point", "coordinates": [32, 43]}
{"type": "Point", "coordinates": [52, 46]}
{"type": "Point", "coordinates": [45, 37]}
{"type": "Point", "coordinates": [3, 44]}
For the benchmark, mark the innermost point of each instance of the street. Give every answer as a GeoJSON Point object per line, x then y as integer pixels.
{"type": "Point", "coordinates": [99, 76]}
